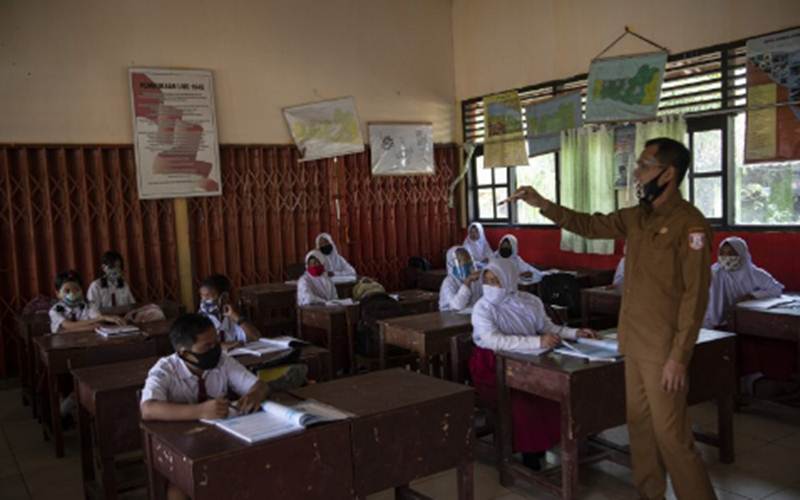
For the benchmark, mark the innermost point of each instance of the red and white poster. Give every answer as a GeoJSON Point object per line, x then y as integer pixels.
{"type": "Point", "coordinates": [174, 133]}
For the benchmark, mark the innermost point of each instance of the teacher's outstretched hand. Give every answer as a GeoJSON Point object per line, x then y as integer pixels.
{"type": "Point", "coordinates": [529, 196]}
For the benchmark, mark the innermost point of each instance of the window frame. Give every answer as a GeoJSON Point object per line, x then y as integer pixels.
{"type": "Point", "coordinates": [725, 59]}
{"type": "Point", "coordinates": [704, 124]}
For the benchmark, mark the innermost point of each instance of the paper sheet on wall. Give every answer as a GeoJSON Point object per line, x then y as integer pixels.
{"type": "Point", "coordinates": [505, 139]}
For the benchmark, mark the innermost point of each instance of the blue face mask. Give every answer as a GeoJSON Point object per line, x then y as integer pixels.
{"type": "Point", "coordinates": [462, 271]}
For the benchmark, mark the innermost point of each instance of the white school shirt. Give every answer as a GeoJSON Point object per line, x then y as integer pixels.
{"type": "Point", "coordinates": [170, 380]}
{"type": "Point", "coordinates": [61, 312]}
{"type": "Point", "coordinates": [336, 264]}
{"type": "Point", "coordinates": [455, 295]}
{"type": "Point", "coordinates": [100, 296]}
{"type": "Point", "coordinates": [231, 331]}
{"type": "Point", "coordinates": [515, 323]}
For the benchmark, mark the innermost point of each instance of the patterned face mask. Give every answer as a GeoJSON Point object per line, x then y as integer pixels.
{"type": "Point", "coordinates": [730, 262]}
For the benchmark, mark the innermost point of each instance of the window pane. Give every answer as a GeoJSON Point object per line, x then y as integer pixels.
{"type": "Point", "coordinates": [708, 196]}
{"type": "Point", "coordinates": [765, 193]}
{"type": "Point", "coordinates": [484, 174]}
{"type": "Point", "coordinates": [500, 175]}
{"type": "Point", "coordinates": [541, 174]}
{"type": "Point", "coordinates": [485, 204]}
{"type": "Point", "coordinates": [501, 194]}
{"type": "Point", "coordinates": [707, 151]}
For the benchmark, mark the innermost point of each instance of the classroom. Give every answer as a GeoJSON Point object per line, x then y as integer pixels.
{"type": "Point", "coordinates": [400, 249]}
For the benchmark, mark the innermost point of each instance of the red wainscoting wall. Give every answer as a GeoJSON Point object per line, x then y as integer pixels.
{"type": "Point", "coordinates": [776, 251]}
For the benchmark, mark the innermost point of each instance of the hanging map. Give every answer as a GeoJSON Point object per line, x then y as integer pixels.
{"type": "Point", "coordinates": [325, 129]}
{"type": "Point", "coordinates": [505, 139]}
{"type": "Point", "coordinates": [401, 148]}
{"type": "Point", "coordinates": [174, 133]}
{"type": "Point", "coordinates": [773, 78]}
{"type": "Point", "coordinates": [625, 88]}
{"type": "Point", "coordinates": [547, 119]}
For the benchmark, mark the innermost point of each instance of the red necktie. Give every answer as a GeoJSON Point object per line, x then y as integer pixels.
{"type": "Point", "coordinates": [202, 395]}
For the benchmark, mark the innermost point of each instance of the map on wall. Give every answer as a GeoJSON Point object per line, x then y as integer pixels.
{"type": "Point", "coordinates": [505, 137]}
{"type": "Point", "coordinates": [401, 148]}
{"type": "Point", "coordinates": [174, 133]}
{"type": "Point", "coordinates": [625, 88]}
{"type": "Point", "coordinates": [325, 129]}
{"type": "Point", "coordinates": [548, 118]}
{"type": "Point", "coordinates": [773, 78]}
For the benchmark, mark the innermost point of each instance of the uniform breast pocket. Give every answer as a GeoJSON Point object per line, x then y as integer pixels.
{"type": "Point", "coordinates": [662, 254]}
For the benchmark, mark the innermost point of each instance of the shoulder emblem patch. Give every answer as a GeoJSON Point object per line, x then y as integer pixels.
{"type": "Point", "coordinates": [697, 240]}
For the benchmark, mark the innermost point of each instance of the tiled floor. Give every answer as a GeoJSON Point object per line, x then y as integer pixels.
{"type": "Point", "coordinates": [767, 464]}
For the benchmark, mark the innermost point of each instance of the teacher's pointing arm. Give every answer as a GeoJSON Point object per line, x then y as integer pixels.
{"type": "Point", "coordinates": [611, 226]}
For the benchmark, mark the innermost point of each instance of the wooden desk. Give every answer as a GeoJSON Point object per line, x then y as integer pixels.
{"type": "Point", "coordinates": [108, 410]}
{"type": "Point", "coordinates": [428, 335]}
{"type": "Point", "coordinates": [592, 399]}
{"type": "Point", "coordinates": [57, 351]}
{"type": "Point", "coordinates": [601, 305]}
{"type": "Point", "coordinates": [782, 323]}
{"type": "Point", "coordinates": [431, 280]}
{"type": "Point", "coordinates": [208, 463]}
{"type": "Point", "coordinates": [406, 426]}
{"type": "Point", "coordinates": [333, 327]}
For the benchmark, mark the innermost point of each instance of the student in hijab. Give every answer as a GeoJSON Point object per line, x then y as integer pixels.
{"type": "Point", "coordinates": [509, 250]}
{"type": "Point", "coordinates": [477, 245]}
{"type": "Point", "coordinates": [337, 265]}
{"type": "Point", "coordinates": [461, 288]}
{"type": "Point", "coordinates": [315, 286]}
{"type": "Point", "coordinates": [619, 274]}
{"type": "Point", "coordinates": [505, 319]}
{"type": "Point", "coordinates": [734, 278]}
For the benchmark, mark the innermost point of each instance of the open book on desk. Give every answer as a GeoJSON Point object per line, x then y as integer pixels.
{"type": "Point", "coordinates": [276, 420]}
{"type": "Point", "coordinates": [340, 302]}
{"type": "Point", "coordinates": [591, 349]}
{"type": "Point", "coordinates": [268, 345]}
{"type": "Point", "coordinates": [109, 331]}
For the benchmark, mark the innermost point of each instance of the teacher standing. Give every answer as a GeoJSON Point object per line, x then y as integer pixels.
{"type": "Point", "coordinates": [665, 293]}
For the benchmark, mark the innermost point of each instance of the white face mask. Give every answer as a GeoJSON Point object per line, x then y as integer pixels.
{"type": "Point", "coordinates": [730, 262]}
{"type": "Point", "coordinates": [494, 294]}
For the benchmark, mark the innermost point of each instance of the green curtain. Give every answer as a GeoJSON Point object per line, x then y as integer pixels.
{"type": "Point", "coordinates": [672, 126]}
{"type": "Point", "coordinates": [587, 181]}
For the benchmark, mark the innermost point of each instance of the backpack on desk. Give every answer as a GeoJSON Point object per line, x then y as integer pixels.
{"type": "Point", "coordinates": [562, 289]}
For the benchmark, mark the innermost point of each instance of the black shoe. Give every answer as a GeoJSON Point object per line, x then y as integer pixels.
{"type": "Point", "coordinates": [533, 461]}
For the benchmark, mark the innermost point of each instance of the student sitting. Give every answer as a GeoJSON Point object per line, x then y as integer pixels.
{"type": "Point", "coordinates": [508, 250]}
{"type": "Point", "coordinates": [215, 304]}
{"type": "Point", "coordinates": [194, 382]}
{"type": "Point", "coordinates": [72, 313]}
{"type": "Point", "coordinates": [461, 288]}
{"type": "Point", "coordinates": [477, 245]}
{"type": "Point", "coordinates": [337, 265]}
{"type": "Point", "coordinates": [619, 274]}
{"type": "Point", "coordinates": [505, 319]}
{"type": "Point", "coordinates": [734, 278]}
{"type": "Point", "coordinates": [110, 289]}
{"type": "Point", "coordinates": [315, 286]}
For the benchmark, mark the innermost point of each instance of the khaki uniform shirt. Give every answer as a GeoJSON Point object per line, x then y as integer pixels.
{"type": "Point", "coordinates": [667, 274]}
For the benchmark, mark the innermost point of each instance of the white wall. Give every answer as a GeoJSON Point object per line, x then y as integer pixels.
{"type": "Point", "coordinates": [63, 63]}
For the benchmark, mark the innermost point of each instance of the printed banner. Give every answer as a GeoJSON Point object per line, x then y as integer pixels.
{"type": "Point", "coordinates": [505, 138]}
{"type": "Point", "coordinates": [174, 133]}
{"type": "Point", "coordinates": [547, 119]}
{"type": "Point", "coordinates": [325, 129]}
{"type": "Point", "coordinates": [773, 78]}
{"type": "Point", "coordinates": [625, 88]}
{"type": "Point", "coordinates": [401, 148]}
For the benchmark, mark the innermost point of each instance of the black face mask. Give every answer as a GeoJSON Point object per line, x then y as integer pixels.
{"type": "Point", "coordinates": [326, 249]}
{"type": "Point", "coordinates": [648, 192]}
{"type": "Point", "coordinates": [505, 252]}
{"type": "Point", "coordinates": [206, 360]}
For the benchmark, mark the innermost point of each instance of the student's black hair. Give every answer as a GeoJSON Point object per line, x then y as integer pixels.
{"type": "Point", "coordinates": [672, 152]}
{"type": "Point", "coordinates": [186, 328]}
{"type": "Point", "coordinates": [218, 282]}
{"type": "Point", "coordinates": [67, 276]}
{"type": "Point", "coordinates": [110, 258]}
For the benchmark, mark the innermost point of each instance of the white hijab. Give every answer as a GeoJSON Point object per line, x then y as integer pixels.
{"type": "Point", "coordinates": [522, 266]}
{"type": "Point", "coordinates": [451, 295]}
{"type": "Point", "coordinates": [315, 289]}
{"type": "Point", "coordinates": [480, 249]}
{"type": "Point", "coordinates": [337, 264]}
{"type": "Point", "coordinates": [727, 287]}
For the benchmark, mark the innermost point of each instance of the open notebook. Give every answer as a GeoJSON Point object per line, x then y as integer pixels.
{"type": "Point", "coordinates": [276, 420]}
{"type": "Point", "coordinates": [591, 349]}
{"type": "Point", "coordinates": [117, 331]}
{"type": "Point", "coordinates": [264, 346]}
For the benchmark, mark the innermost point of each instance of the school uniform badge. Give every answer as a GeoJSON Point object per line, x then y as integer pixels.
{"type": "Point", "coordinates": [697, 241]}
